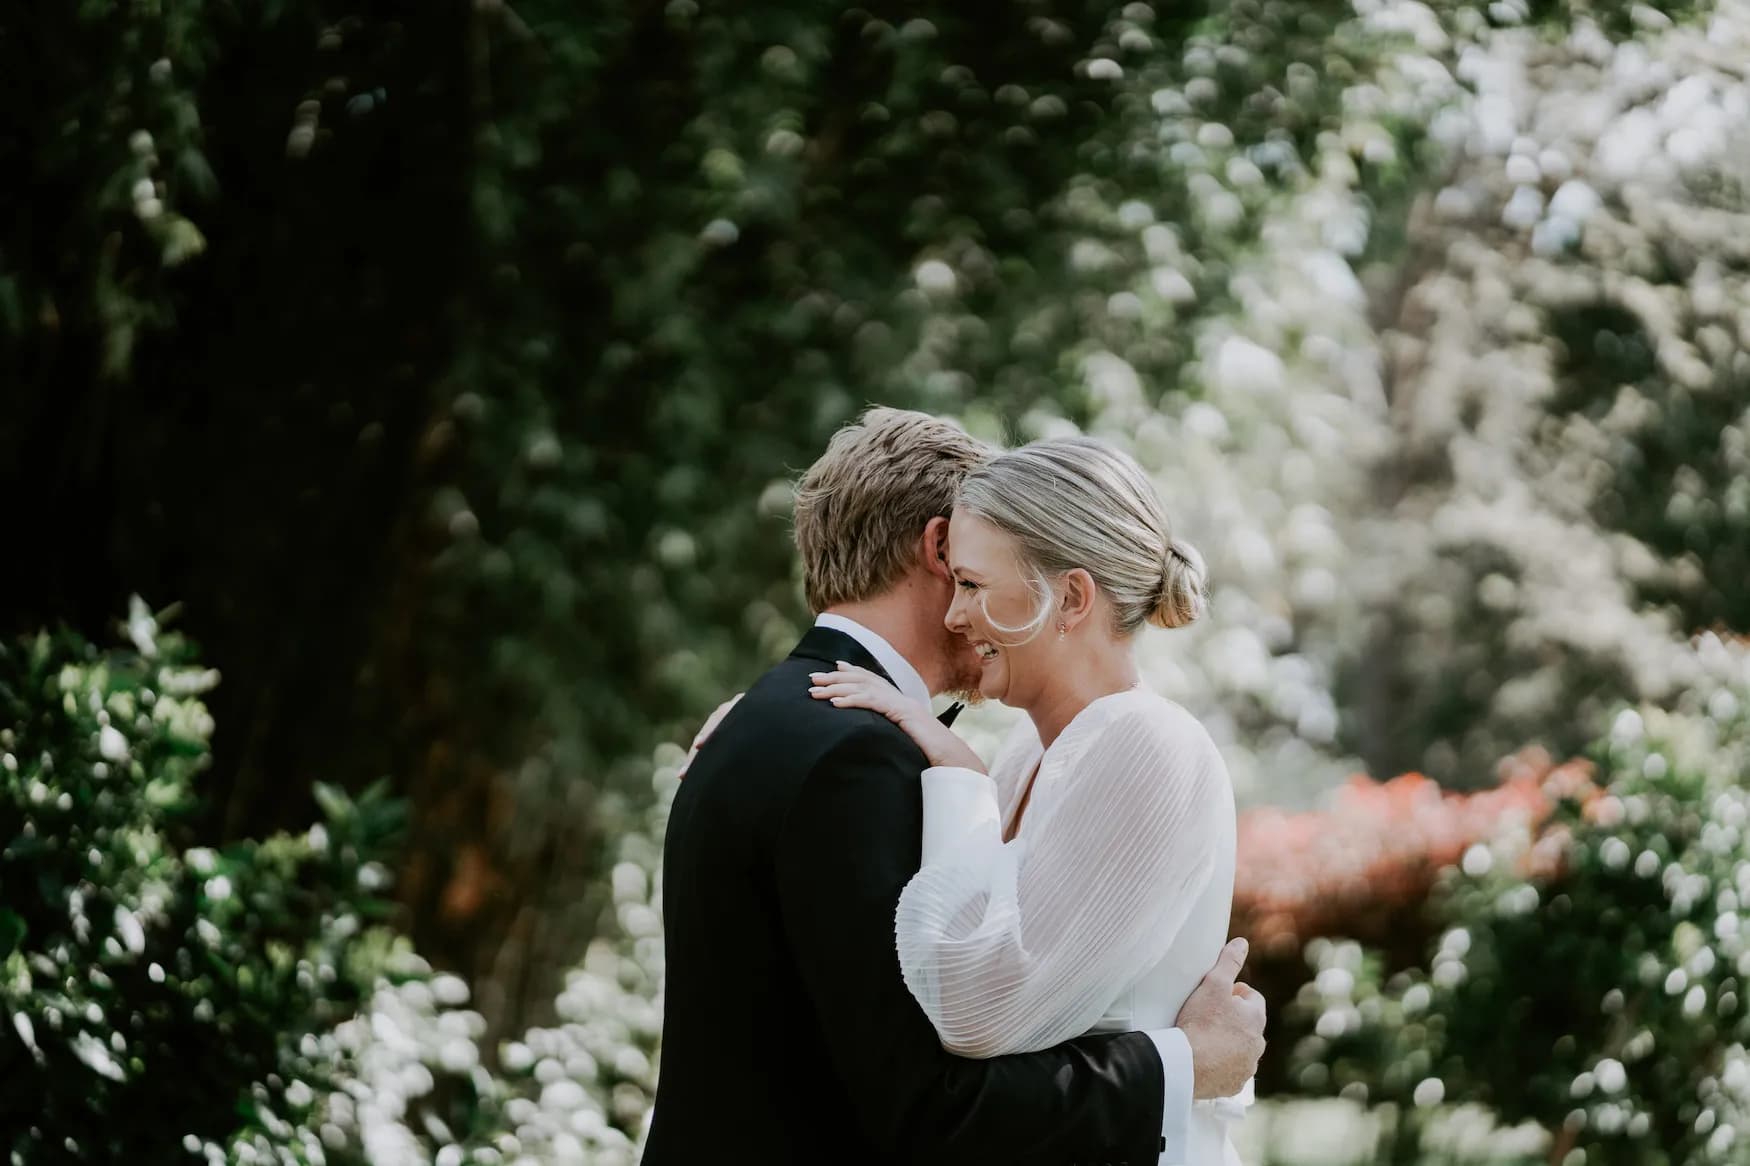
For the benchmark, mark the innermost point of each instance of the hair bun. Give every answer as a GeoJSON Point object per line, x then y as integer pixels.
{"type": "Point", "coordinates": [1184, 587]}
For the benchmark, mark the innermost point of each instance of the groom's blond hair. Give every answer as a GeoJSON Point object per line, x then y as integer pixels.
{"type": "Point", "coordinates": [861, 508]}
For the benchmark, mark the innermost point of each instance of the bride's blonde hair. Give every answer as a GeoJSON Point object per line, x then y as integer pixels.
{"type": "Point", "coordinates": [1078, 502]}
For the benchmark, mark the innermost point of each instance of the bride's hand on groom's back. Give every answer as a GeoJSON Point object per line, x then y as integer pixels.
{"type": "Point", "coordinates": [705, 730]}
{"type": "Point", "coordinates": [1224, 1023]}
{"type": "Point", "coordinates": [858, 688]}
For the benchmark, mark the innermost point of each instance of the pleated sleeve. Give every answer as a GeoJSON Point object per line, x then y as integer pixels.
{"type": "Point", "coordinates": [1014, 947]}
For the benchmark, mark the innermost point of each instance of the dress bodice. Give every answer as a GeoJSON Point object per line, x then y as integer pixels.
{"type": "Point", "coordinates": [1101, 914]}
{"type": "Point", "coordinates": [1157, 991]}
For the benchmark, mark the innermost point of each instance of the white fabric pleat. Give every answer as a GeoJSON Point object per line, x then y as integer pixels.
{"type": "Point", "coordinates": [1013, 947]}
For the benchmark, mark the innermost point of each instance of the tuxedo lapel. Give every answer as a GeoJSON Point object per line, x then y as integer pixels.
{"type": "Point", "coordinates": [829, 646]}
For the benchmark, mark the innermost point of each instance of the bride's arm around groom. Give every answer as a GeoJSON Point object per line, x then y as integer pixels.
{"type": "Point", "coordinates": [839, 875]}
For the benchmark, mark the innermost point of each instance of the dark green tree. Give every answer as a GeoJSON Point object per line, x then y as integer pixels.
{"type": "Point", "coordinates": [447, 363]}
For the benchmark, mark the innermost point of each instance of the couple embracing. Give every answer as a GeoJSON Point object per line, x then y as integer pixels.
{"type": "Point", "coordinates": [880, 950]}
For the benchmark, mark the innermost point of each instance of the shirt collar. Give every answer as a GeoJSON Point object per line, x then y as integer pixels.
{"type": "Point", "coordinates": [898, 668]}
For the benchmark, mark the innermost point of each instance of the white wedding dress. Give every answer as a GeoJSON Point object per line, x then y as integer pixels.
{"type": "Point", "coordinates": [1102, 914]}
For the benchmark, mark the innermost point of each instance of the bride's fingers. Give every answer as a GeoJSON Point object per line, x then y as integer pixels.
{"type": "Point", "coordinates": [857, 696]}
{"type": "Point", "coordinates": [837, 680]}
{"type": "Point", "coordinates": [845, 674]}
{"type": "Point", "coordinates": [851, 672]}
{"type": "Point", "coordinates": [840, 692]}
{"type": "Point", "coordinates": [850, 675]}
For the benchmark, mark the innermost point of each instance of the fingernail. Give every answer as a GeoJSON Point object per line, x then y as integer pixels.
{"type": "Point", "coordinates": [841, 665]}
{"type": "Point", "coordinates": [1242, 946]}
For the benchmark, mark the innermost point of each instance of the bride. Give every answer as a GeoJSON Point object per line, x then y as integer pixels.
{"type": "Point", "coordinates": [1084, 883]}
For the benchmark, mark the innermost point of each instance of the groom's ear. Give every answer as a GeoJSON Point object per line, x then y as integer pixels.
{"type": "Point", "coordinates": [935, 548]}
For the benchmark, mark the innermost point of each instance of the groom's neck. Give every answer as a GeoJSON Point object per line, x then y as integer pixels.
{"type": "Point", "coordinates": [898, 617]}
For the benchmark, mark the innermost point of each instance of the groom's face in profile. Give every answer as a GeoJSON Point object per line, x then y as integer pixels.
{"type": "Point", "coordinates": [960, 663]}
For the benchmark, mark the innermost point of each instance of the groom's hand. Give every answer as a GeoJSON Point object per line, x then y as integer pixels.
{"type": "Point", "coordinates": [1224, 1023]}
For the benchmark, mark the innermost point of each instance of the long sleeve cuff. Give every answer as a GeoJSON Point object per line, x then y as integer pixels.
{"type": "Point", "coordinates": [960, 813]}
{"type": "Point", "coordinates": [1176, 1070]}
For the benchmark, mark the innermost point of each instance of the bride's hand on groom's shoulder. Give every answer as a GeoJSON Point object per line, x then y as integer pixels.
{"type": "Point", "coordinates": [858, 688]}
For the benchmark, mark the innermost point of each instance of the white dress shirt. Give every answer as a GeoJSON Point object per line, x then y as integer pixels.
{"type": "Point", "coordinates": [955, 805]}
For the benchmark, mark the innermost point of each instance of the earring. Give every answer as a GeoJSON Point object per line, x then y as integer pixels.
{"type": "Point", "coordinates": [1062, 630]}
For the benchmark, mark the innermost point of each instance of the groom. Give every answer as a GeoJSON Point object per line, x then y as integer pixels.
{"type": "Point", "coordinates": [789, 1035]}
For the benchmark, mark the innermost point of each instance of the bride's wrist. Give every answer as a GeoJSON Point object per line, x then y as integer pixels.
{"type": "Point", "coordinates": [957, 754]}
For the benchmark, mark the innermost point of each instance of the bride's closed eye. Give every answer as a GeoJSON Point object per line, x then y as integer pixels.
{"type": "Point", "coordinates": [968, 585]}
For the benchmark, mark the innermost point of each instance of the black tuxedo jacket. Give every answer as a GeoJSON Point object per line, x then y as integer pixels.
{"type": "Point", "coordinates": [789, 1035]}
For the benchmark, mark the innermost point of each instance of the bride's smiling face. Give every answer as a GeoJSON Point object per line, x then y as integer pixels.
{"type": "Point", "coordinates": [990, 594]}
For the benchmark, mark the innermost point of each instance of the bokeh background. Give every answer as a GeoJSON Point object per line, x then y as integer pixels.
{"type": "Point", "coordinates": [398, 410]}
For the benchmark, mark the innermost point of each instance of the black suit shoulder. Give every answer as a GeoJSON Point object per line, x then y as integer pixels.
{"type": "Point", "coordinates": [753, 768]}
{"type": "Point", "coordinates": [779, 713]}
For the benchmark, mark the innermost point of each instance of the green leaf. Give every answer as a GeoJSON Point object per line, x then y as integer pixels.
{"type": "Point", "coordinates": [333, 802]}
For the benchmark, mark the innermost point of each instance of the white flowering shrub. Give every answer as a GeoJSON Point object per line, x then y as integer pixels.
{"type": "Point", "coordinates": [1436, 527]}
{"type": "Point", "coordinates": [406, 1082]}
{"type": "Point", "coordinates": [1265, 258]}
{"type": "Point", "coordinates": [147, 983]}
{"type": "Point", "coordinates": [1240, 363]}
{"type": "Point", "coordinates": [1566, 493]}
{"type": "Point", "coordinates": [1593, 983]}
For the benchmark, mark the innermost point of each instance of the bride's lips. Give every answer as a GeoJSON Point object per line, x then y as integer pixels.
{"type": "Point", "coordinates": [986, 651]}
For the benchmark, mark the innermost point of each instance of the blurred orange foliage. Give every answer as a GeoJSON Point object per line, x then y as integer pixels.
{"type": "Point", "coordinates": [1363, 867]}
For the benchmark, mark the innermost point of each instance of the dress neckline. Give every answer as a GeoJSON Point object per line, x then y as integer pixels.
{"type": "Point", "coordinates": [1138, 687]}
{"type": "Point", "coordinates": [1040, 752]}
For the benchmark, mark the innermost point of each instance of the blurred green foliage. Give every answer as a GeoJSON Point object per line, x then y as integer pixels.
{"type": "Point", "coordinates": [449, 366]}
{"type": "Point", "coordinates": [803, 212]}
{"type": "Point", "coordinates": [1681, 450]}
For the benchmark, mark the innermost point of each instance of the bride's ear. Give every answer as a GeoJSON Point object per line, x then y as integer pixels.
{"type": "Point", "coordinates": [1076, 602]}
{"type": "Point", "coordinates": [935, 548]}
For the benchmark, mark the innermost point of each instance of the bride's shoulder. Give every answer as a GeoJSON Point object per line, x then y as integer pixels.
{"type": "Point", "coordinates": [1158, 726]}
{"type": "Point", "coordinates": [1146, 707]}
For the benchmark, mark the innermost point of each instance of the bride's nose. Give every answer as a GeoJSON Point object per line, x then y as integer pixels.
{"type": "Point", "coordinates": [955, 620]}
